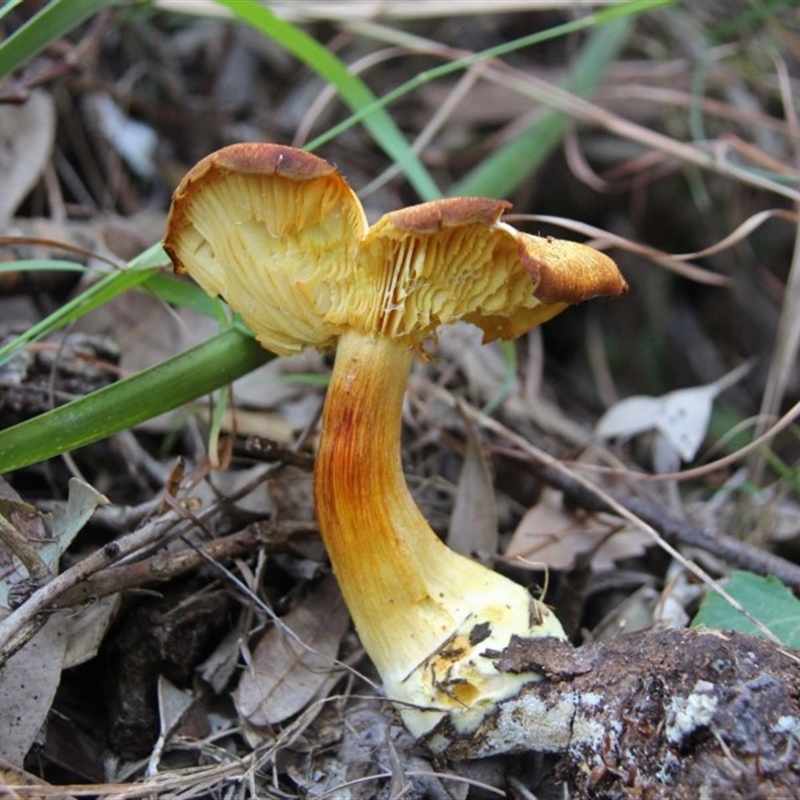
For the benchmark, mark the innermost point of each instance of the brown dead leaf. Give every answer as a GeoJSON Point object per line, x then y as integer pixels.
{"type": "Point", "coordinates": [287, 673]}
{"type": "Point", "coordinates": [635, 613]}
{"type": "Point", "coordinates": [28, 683]}
{"type": "Point", "coordinates": [27, 132]}
{"type": "Point", "coordinates": [473, 524]}
{"type": "Point", "coordinates": [550, 535]}
{"type": "Point", "coordinates": [29, 679]}
{"type": "Point", "coordinates": [87, 628]}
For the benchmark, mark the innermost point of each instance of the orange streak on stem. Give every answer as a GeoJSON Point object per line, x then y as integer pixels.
{"type": "Point", "coordinates": [379, 543]}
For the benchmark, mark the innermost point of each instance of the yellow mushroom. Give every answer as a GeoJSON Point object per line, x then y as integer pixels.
{"type": "Point", "coordinates": [279, 234]}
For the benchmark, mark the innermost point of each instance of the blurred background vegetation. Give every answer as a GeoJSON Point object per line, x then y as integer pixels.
{"type": "Point", "coordinates": [664, 132]}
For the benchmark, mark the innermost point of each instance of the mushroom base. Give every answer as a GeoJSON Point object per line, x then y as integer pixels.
{"type": "Point", "coordinates": [430, 619]}
{"type": "Point", "coordinates": [459, 680]}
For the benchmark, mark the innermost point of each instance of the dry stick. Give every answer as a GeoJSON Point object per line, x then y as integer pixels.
{"type": "Point", "coordinates": [38, 602]}
{"type": "Point", "coordinates": [577, 108]}
{"type": "Point", "coordinates": [12, 635]}
{"type": "Point", "coordinates": [218, 773]}
{"type": "Point", "coordinates": [23, 550]}
{"type": "Point", "coordinates": [255, 599]}
{"type": "Point", "coordinates": [209, 512]}
{"type": "Point", "coordinates": [679, 263]}
{"type": "Point", "coordinates": [21, 624]}
{"type": "Point", "coordinates": [160, 568]}
{"type": "Point", "coordinates": [341, 788]}
{"type": "Point", "coordinates": [712, 466]}
{"type": "Point", "coordinates": [164, 567]}
{"type": "Point", "coordinates": [734, 551]}
{"type": "Point", "coordinates": [148, 788]}
{"type": "Point", "coordinates": [787, 339]}
{"type": "Point", "coordinates": [432, 127]}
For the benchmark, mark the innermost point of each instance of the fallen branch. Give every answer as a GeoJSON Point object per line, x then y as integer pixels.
{"type": "Point", "coordinates": [675, 530]}
{"type": "Point", "coordinates": [674, 713]}
{"type": "Point", "coordinates": [18, 627]}
{"type": "Point", "coordinates": [166, 566]}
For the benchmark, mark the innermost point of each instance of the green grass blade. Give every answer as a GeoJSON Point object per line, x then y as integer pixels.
{"type": "Point", "coordinates": [120, 406]}
{"type": "Point", "coordinates": [355, 93]}
{"type": "Point", "coordinates": [9, 6]}
{"type": "Point", "coordinates": [179, 292]}
{"type": "Point", "coordinates": [509, 166]}
{"type": "Point", "coordinates": [56, 19]}
{"type": "Point", "coordinates": [106, 288]}
{"type": "Point", "coordinates": [755, 14]}
{"type": "Point", "coordinates": [170, 288]}
{"type": "Point", "coordinates": [600, 17]}
{"type": "Point", "coordinates": [41, 265]}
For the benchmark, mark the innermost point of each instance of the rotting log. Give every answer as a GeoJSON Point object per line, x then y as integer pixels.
{"type": "Point", "coordinates": [676, 713]}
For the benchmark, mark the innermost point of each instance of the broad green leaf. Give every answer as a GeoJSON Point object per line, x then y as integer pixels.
{"type": "Point", "coordinates": [767, 599]}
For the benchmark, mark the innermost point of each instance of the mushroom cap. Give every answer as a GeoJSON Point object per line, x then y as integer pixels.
{"type": "Point", "coordinates": [281, 236]}
{"type": "Point", "coordinates": [274, 231]}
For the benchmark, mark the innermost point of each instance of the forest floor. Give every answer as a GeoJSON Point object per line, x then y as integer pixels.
{"type": "Point", "coordinates": [621, 459]}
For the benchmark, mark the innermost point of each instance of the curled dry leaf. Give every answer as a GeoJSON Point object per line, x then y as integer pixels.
{"type": "Point", "coordinates": [473, 523]}
{"type": "Point", "coordinates": [289, 671]}
{"type": "Point", "coordinates": [548, 534]}
{"type": "Point", "coordinates": [681, 418]}
{"type": "Point", "coordinates": [66, 521]}
{"type": "Point", "coordinates": [28, 683]}
{"type": "Point", "coordinates": [48, 535]}
{"type": "Point", "coordinates": [87, 628]}
{"type": "Point", "coordinates": [27, 132]}
{"type": "Point", "coordinates": [29, 679]}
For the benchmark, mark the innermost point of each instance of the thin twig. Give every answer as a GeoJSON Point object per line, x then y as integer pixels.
{"type": "Point", "coordinates": [733, 551]}
{"type": "Point", "coordinates": [21, 624]}
{"type": "Point", "coordinates": [38, 602]}
{"type": "Point", "coordinates": [164, 567]}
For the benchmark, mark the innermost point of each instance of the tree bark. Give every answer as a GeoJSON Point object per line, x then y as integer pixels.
{"type": "Point", "coordinates": [676, 713]}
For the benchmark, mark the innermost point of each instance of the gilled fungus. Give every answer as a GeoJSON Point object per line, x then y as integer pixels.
{"type": "Point", "coordinates": [279, 234]}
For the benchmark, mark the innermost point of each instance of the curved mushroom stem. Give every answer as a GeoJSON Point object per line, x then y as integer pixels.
{"type": "Point", "coordinates": [425, 614]}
